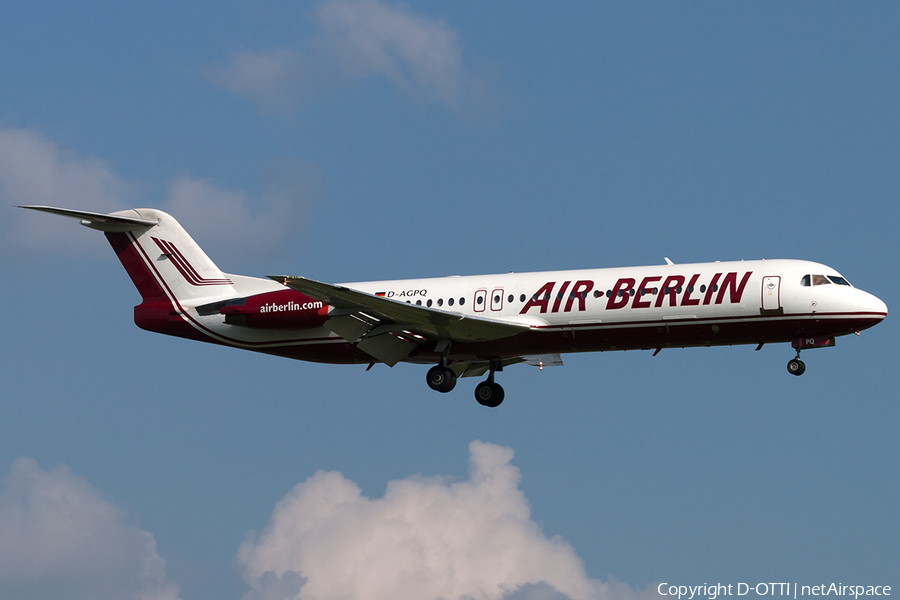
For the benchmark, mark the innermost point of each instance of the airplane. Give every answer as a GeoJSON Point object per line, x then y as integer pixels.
{"type": "Point", "coordinates": [472, 325]}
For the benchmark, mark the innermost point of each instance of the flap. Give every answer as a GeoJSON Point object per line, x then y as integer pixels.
{"type": "Point", "coordinates": [543, 360]}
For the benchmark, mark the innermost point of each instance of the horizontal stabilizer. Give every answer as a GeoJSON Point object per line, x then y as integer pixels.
{"type": "Point", "coordinates": [115, 223]}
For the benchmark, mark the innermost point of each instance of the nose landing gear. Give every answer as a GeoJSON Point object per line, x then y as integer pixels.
{"type": "Point", "coordinates": [796, 366]}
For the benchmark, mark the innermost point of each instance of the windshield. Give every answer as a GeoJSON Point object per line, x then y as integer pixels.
{"type": "Point", "coordinates": [838, 280]}
{"type": "Point", "coordinates": [808, 280]}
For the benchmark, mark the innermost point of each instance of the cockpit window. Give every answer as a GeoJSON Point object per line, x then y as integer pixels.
{"type": "Point", "coordinates": [808, 280]}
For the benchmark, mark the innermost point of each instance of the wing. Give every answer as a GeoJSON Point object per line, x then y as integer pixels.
{"type": "Point", "coordinates": [390, 329]}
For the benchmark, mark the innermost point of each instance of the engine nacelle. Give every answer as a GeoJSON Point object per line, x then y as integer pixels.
{"type": "Point", "coordinates": [284, 309]}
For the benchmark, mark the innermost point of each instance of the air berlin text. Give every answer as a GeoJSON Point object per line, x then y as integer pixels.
{"type": "Point", "coordinates": [627, 293]}
{"type": "Point", "coordinates": [289, 306]}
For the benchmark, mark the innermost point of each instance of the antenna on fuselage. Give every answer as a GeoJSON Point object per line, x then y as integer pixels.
{"type": "Point", "coordinates": [668, 262]}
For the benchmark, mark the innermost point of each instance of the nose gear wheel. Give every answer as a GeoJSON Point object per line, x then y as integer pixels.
{"type": "Point", "coordinates": [796, 366]}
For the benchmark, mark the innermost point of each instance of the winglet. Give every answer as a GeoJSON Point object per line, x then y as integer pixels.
{"type": "Point", "coordinates": [115, 223]}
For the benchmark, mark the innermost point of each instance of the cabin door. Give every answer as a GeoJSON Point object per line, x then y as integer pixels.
{"type": "Point", "coordinates": [771, 293]}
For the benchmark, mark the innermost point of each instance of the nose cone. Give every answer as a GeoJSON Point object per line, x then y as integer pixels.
{"type": "Point", "coordinates": [870, 309]}
{"type": "Point", "coordinates": [874, 304]}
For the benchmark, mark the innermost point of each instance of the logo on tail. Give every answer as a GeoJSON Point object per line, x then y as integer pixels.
{"type": "Point", "coordinates": [184, 267]}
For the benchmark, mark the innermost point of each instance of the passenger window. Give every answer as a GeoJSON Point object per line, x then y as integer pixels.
{"type": "Point", "coordinates": [450, 301]}
{"type": "Point", "coordinates": [805, 281]}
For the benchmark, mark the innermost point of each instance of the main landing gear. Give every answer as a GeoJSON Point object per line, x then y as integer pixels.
{"type": "Point", "coordinates": [796, 366]}
{"type": "Point", "coordinates": [442, 379]}
{"type": "Point", "coordinates": [488, 393]}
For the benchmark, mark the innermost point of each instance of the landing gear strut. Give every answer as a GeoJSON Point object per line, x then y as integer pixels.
{"type": "Point", "coordinates": [796, 366]}
{"type": "Point", "coordinates": [440, 378]}
{"type": "Point", "coordinates": [488, 393]}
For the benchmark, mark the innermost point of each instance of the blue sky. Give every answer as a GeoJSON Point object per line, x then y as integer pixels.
{"type": "Point", "coordinates": [346, 141]}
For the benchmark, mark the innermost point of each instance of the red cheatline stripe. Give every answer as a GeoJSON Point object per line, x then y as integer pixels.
{"type": "Point", "coordinates": [184, 266]}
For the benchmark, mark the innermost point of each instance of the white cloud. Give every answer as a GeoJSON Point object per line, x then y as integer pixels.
{"type": "Point", "coordinates": [357, 39]}
{"type": "Point", "coordinates": [60, 539]}
{"type": "Point", "coordinates": [226, 222]}
{"type": "Point", "coordinates": [428, 537]}
{"type": "Point", "coordinates": [34, 170]}
{"type": "Point", "coordinates": [277, 80]}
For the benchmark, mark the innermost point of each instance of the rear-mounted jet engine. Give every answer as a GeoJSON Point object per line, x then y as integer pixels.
{"type": "Point", "coordinates": [284, 309]}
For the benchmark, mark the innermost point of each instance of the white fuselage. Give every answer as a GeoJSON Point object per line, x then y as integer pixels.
{"type": "Point", "coordinates": [466, 326]}
{"type": "Point", "coordinates": [660, 306]}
